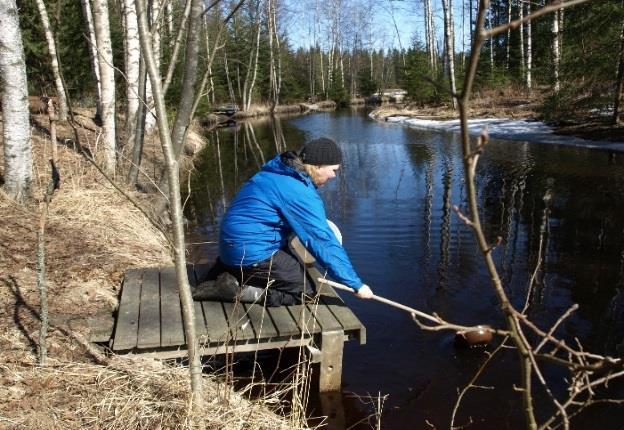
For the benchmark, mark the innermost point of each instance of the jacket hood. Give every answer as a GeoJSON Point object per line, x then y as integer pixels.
{"type": "Point", "coordinates": [288, 164]}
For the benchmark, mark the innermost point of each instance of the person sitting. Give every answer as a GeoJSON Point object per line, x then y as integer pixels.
{"type": "Point", "coordinates": [255, 262]}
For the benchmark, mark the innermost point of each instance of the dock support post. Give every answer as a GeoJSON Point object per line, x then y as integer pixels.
{"type": "Point", "coordinates": [332, 345]}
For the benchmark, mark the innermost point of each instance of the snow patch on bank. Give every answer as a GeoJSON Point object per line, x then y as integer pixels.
{"type": "Point", "coordinates": [507, 129]}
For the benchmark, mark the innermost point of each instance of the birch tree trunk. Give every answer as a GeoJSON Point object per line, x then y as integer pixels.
{"type": "Point", "coordinates": [508, 35]}
{"type": "Point", "coordinates": [154, 20]}
{"type": "Point", "coordinates": [93, 57]}
{"type": "Point", "coordinates": [272, 61]}
{"type": "Point", "coordinates": [183, 116]}
{"type": "Point", "coordinates": [107, 74]}
{"type": "Point", "coordinates": [491, 43]}
{"type": "Point", "coordinates": [556, 55]}
{"type": "Point", "coordinates": [169, 20]}
{"type": "Point", "coordinates": [252, 65]}
{"type": "Point", "coordinates": [58, 82]}
{"type": "Point", "coordinates": [176, 217]}
{"type": "Point", "coordinates": [529, 56]}
{"type": "Point", "coordinates": [450, 54]}
{"type": "Point", "coordinates": [18, 164]}
{"type": "Point", "coordinates": [133, 59]}
{"type": "Point", "coordinates": [428, 33]}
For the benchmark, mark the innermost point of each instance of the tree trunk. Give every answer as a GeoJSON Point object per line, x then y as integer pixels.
{"type": "Point", "coordinates": [522, 29]}
{"type": "Point", "coordinates": [154, 19]}
{"type": "Point", "coordinates": [107, 74]}
{"type": "Point", "coordinates": [183, 116]}
{"type": "Point", "coordinates": [133, 58]}
{"type": "Point", "coordinates": [529, 56]}
{"type": "Point", "coordinates": [252, 65]}
{"type": "Point", "coordinates": [428, 35]}
{"type": "Point", "coordinates": [88, 18]}
{"type": "Point", "coordinates": [171, 164]}
{"type": "Point", "coordinates": [169, 20]}
{"type": "Point", "coordinates": [138, 134]}
{"type": "Point", "coordinates": [272, 73]}
{"type": "Point", "coordinates": [58, 82]}
{"type": "Point", "coordinates": [556, 53]}
{"type": "Point", "coordinates": [18, 164]}
{"type": "Point", "coordinates": [450, 54]}
{"type": "Point", "coordinates": [491, 44]}
{"type": "Point", "coordinates": [508, 35]}
{"type": "Point", "coordinates": [619, 82]}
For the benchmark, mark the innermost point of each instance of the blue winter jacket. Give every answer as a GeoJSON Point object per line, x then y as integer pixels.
{"type": "Point", "coordinates": [274, 203]}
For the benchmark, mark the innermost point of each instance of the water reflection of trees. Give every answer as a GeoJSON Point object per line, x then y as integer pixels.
{"type": "Point", "coordinates": [232, 156]}
{"type": "Point", "coordinates": [583, 246]}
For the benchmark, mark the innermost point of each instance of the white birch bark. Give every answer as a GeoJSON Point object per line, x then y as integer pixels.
{"type": "Point", "coordinates": [428, 35]}
{"type": "Point", "coordinates": [508, 35]}
{"type": "Point", "coordinates": [529, 55]}
{"type": "Point", "coordinates": [133, 59]}
{"type": "Point", "coordinates": [58, 82]}
{"type": "Point", "coordinates": [250, 77]}
{"type": "Point", "coordinates": [556, 55]}
{"type": "Point", "coordinates": [107, 74]}
{"type": "Point", "coordinates": [278, 71]}
{"type": "Point", "coordinates": [491, 43]}
{"type": "Point", "coordinates": [522, 30]}
{"type": "Point", "coordinates": [155, 20]}
{"type": "Point", "coordinates": [18, 162]}
{"type": "Point", "coordinates": [450, 54]}
{"type": "Point", "coordinates": [88, 18]}
{"type": "Point", "coordinates": [169, 20]}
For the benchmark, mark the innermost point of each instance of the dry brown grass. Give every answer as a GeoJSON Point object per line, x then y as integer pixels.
{"type": "Point", "coordinates": [93, 236]}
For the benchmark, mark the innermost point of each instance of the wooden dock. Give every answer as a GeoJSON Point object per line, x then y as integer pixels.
{"type": "Point", "coordinates": [149, 321]}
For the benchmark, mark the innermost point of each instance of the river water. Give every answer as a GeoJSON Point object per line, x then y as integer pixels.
{"type": "Point", "coordinates": [393, 202]}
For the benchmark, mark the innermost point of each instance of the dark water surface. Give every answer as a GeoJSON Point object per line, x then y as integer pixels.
{"type": "Point", "coordinates": [393, 202]}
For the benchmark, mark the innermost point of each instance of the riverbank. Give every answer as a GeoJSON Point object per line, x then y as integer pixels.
{"type": "Point", "coordinates": [511, 119]}
{"type": "Point", "coordinates": [93, 235]}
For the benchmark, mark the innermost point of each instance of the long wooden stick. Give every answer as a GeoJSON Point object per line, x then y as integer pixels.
{"type": "Point", "coordinates": [383, 300]}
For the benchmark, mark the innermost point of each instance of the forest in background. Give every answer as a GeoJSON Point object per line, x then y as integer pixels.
{"type": "Point", "coordinates": [571, 60]}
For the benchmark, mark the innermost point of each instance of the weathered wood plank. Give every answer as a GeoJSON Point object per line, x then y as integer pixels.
{"type": "Point", "coordinates": [261, 321]}
{"type": "Point", "coordinates": [128, 314]}
{"type": "Point", "coordinates": [217, 328]}
{"type": "Point", "coordinates": [338, 308]}
{"type": "Point", "coordinates": [149, 318]}
{"type": "Point", "coordinates": [306, 322]}
{"type": "Point", "coordinates": [238, 321]}
{"type": "Point", "coordinates": [172, 331]}
{"type": "Point", "coordinates": [325, 318]}
{"type": "Point", "coordinates": [284, 322]}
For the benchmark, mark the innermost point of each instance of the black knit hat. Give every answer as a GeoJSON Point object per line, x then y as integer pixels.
{"type": "Point", "coordinates": [321, 152]}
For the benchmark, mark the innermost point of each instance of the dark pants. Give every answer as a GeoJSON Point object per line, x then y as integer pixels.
{"type": "Point", "coordinates": [282, 276]}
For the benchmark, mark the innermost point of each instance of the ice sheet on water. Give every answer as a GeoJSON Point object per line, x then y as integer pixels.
{"type": "Point", "coordinates": [508, 129]}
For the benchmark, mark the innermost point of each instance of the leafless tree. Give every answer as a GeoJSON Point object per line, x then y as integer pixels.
{"type": "Point", "coordinates": [18, 163]}
{"type": "Point", "coordinates": [175, 205]}
{"type": "Point", "coordinates": [534, 345]}
{"type": "Point", "coordinates": [90, 32]}
{"type": "Point", "coordinates": [449, 36]}
{"type": "Point", "coordinates": [54, 62]}
{"type": "Point", "coordinates": [107, 75]}
{"type": "Point", "coordinates": [132, 70]}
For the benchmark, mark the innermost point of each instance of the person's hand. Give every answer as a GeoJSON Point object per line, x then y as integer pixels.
{"type": "Point", "coordinates": [364, 292]}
